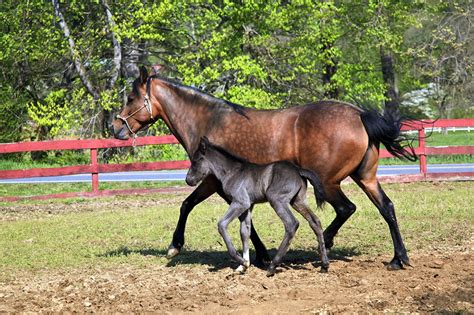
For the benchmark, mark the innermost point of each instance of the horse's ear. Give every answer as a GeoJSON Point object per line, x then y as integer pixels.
{"type": "Point", "coordinates": [156, 69]}
{"type": "Point", "coordinates": [143, 75]}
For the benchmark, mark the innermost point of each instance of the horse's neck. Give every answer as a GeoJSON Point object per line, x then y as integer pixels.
{"type": "Point", "coordinates": [184, 118]}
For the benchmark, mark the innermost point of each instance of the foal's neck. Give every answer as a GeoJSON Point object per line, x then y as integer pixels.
{"type": "Point", "coordinates": [223, 167]}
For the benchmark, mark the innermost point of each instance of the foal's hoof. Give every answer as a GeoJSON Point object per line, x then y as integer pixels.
{"type": "Point", "coordinates": [172, 252]}
{"type": "Point", "coordinates": [241, 269]}
{"type": "Point", "coordinates": [324, 269]}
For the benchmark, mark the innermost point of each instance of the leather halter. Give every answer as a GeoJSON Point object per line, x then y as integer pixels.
{"type": "Point", "coordinates": [146, 105]}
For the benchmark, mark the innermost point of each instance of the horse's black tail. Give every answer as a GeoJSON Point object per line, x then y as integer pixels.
{"type": "Point", "coordinates": [386, 129]}
{"type": "Point", "coordinates": [318, 186]}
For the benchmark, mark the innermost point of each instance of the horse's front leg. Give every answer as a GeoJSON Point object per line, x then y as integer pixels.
{"type": "Point", "coordinates": [207, 187]}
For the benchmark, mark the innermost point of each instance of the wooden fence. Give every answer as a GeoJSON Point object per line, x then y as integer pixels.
{"type": "Point", "coordinates": [95, 168]}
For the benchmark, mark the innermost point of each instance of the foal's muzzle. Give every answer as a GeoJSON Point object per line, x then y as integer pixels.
{"type": "Point", "coordinates": [191, 180]}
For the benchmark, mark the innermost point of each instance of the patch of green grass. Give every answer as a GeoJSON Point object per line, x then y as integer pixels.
{"type": "Point", "coordinates": [438, 139]}
{"type": "Point", "coordinates": [451, 138]}
{"type": "Point", "coordinates": [138, 229]}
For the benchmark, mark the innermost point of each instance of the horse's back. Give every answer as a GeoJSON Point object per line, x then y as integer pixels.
{"type": "Point", "coordinates": [327, 137]}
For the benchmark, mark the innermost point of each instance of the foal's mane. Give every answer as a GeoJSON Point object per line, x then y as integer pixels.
{"type": "Point", "coordinates": [193, 93]}
{"type": "Point", "coordinates": [227, 154]}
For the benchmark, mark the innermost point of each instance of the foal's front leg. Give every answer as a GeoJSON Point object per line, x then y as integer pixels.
{"type": "Point", "coordinates": [235, 210]}
{"type": "Point", "coordinates": [245, 222]}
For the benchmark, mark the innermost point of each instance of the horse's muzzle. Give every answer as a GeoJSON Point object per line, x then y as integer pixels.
{"type": "Point", "coordinates": [121, 133]}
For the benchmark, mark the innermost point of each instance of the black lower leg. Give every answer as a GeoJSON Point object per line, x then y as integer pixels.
{"type": "Point", "coordinates": [400, 254]}
{"type": "Point", "coordinates": [261, 253]}
{"type": "Point", "coordinates": [344, 209]}
{"type": "Point", "coordinates": [201, 193]}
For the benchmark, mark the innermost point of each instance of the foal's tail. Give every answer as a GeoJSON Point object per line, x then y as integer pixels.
{"type": "Point", "coordinates": [316, 182]}
{"type": "Point", "coordinates": [386, 129]}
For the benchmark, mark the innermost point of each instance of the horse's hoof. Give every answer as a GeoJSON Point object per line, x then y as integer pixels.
{"type": "Point", "coordinates": [262, 260]}
{"type": "Point", "coordinates": [394, 266]}
{"type": "Point", "coordinates": [271, 271]}
{"type": "Point", "coordinates": [246, 264]}
{"type": "Point", "coordinates": [172, 252]}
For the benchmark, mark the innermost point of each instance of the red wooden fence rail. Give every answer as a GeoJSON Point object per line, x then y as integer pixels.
{"type": "Point", "coordinates": [95, 168]}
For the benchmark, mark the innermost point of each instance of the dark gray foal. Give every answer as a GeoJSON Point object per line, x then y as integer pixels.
{"type": "Point", "coordinates": [246, 184]}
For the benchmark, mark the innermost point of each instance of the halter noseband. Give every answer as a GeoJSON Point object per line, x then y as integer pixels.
{"type": "Point", "coordinates": [146, 105]}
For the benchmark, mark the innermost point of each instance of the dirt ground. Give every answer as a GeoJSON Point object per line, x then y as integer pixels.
{"type": "Point", "coordinates": [441, 280]}
{"type": "Point", "coordinates": [438, 282]}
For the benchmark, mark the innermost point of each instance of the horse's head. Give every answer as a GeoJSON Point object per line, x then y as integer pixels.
{"type": "Point", "coordinates": [200, 164]}
{"type": "Point", "coordinates": [141, 109]}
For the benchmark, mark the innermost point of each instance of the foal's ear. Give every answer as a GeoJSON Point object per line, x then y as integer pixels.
{"type": "Point", "coordinates": [143, 75]}
{"type": "Point", "coordinates": [203, 145]}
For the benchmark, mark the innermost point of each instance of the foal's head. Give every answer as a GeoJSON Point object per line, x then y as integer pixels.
{"type": "Point", "coordinates": [200, 164]}
{"type": "Point", "coordinates": [211, 159]}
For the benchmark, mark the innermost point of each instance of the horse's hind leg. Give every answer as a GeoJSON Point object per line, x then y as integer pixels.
{"type": "Point", "coordinates": [365, 177]}
{"type": "Point", "coordinates": [291, 225]}
{"type": "Point", "coordinates": [344, 209]}
{"type": "Point", "coordinates": [385, 206]}
{"type": "Point", "coordinates": [302, 207]}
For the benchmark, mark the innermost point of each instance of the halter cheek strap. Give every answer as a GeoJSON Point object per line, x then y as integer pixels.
{"type": "Point", "coordinates": [146, 105]}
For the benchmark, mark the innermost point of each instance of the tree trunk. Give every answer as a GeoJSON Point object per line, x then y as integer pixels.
{"type": "Point", "coordinates": [74, 52]}
{"type": "Point", "coordinates": [392, 99]}
{"type": "Point", "coordinates": [330, 69]}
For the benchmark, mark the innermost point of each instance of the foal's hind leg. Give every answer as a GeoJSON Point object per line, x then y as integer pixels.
{"type": "Point", "coordinates": [302, 207]}
{"type": "Point", "coordinates": [291, 225]}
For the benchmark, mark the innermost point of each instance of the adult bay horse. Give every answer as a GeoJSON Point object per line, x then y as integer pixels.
{"type": "Point", "coordinates": [333, 139]}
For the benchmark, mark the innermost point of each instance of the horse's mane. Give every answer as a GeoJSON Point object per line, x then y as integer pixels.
{"type": "Point", "coordinates": [193, 93]}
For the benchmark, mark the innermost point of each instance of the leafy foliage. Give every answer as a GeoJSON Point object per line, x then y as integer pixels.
{"type": "Point", "coordinates": [264, 54]}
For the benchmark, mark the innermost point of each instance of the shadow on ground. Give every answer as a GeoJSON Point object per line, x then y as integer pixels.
{"type": "Point", "coordinates": [217, 260]}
